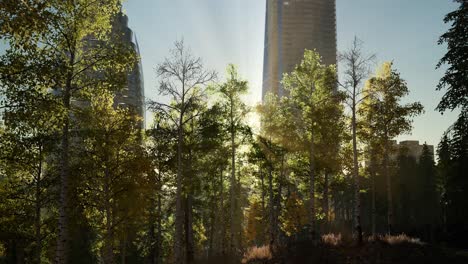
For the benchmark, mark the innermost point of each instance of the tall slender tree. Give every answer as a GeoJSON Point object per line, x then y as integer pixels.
{"type": "Point", "coordinates": [388, 118]}
{"type": "Point", "coordinates": [236, 110]}
{"type": "Point", "coordinates": [357, 69]}
{"type": "Point", "coordinates": [455, 82]}
{"type": "Point", "coordinates": [182, 76]}
{"type": "Point", "coordinates": [312, 89]}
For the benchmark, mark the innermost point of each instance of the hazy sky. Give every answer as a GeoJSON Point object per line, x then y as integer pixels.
{"type": "Point", "coordinates": [232, 31]}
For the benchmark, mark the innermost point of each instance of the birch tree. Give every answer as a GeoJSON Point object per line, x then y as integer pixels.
{"type": "Point", "coordinates": [356, 70]}
{"type": "Point", "coordinates": [182, 78]}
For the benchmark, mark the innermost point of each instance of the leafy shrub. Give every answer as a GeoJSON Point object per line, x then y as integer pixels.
{"type": "Point", "coordinates": [396, 240]}
{"type": "Point", "coordinates": [257, 255]}
{"type": "Point", "coordinates": [332, 239]}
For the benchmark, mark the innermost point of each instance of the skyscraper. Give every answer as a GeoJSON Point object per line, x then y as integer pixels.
{"type": "Point", "coordinates": [292, 26]}
{"type": "Point", "coordinates": [132, 96]}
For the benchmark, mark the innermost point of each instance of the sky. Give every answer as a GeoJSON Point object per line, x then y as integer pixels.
{"type": "Point", "coordinates": [232, 31]}
{"type": "Point", "coordinates": [222, 32]}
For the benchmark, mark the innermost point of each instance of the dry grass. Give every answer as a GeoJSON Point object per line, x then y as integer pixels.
{"type": "Point", "coordinates": [332, 239]}
{"type": "Point", "coordinates": [396, 240]}
{"type": "Point", "coordinates": [257, 254]}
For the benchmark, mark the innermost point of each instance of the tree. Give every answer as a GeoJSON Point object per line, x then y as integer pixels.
{"type": "Point", "coordinates": [236, 111]}
{"type": "Point", "coordinates": [444, 168]}
{"type": "Point", "coordinates": [212, 152]}
{"type": "Point", "coordinates": [456, 97]}
{"type": "Point", "coordinates": [259, 156]}
{"type": "Point", "coordinates": [272, 144]}
{"type": "Point", "coordinates": [294, 217]}
{"type": "Point", "coordinates": [162, 141]}
{"type": "Point", "coordinates": [429, 196]}
{"type": "Point", "coordinates": [114, 171]}
{"type": "Point", "coordinates": [181, 77]}
{"type": "Point", "coordinates": [254, 227]}
{"type": "Point", "coordinates": [68, 44]}
{"type": "Point", "coordinates": [28, 182]}
{"type": "Point", "coordinates": [312, 89]}
{"type": "Point", "coordinates": [356, 71]}
{"type": "Point", "coordinates": [388, 118]}
{"type": "Point", "coordinates": [455, 79]}
{"type": "Point", "coordinates": [453, 160]}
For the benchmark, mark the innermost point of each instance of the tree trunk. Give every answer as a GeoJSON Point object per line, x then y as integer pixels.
{"type": "Point", "coordinates": [279, 198]}
{"type": "Point", "coordinates": [179, 213]}
{"type": "Point", "coordinates": [312, 192]}
{"type": "Point", "coordinates": [63, 233]}
{"type": "Point", "coordinates": [37, 221]}
{"type": "Point", "coordinates": [233, 184]}
{"type": "Point", "coordinates": [262, 178]}
{"type": "Point", "coordinates": [222, 221]}
{"type": "Point", "coordinates": [271, 205]}
{"type": "Point", "coordinates": [189, 236]}
{"type": "Point", "coordinates": [123, 246]}
{"type": "Point", "coordinates": [159, 241]}
{"type": "Point", "coordinates": [357, 195]}
{"type": "Point", "coordinates": [212, 218]}
{"type": "Point", "coordinates": [389, 188]}
{"type": "Point", "coordinates": [212, 230]}
{"type": "Point", "coordinates": [19, 254]}
{"type": "Point", "coordinates": [190, 246]}
{"type": "Point", "coordinates": [326, 204]}
{"type": "Point", "coordinates": [109, 238]}
{"type": "Point", "coordinates": [374, 209]}
{"type": "Point", "coordinates": [151, 233]}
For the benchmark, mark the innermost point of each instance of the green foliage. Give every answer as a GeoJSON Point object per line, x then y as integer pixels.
{"type": "Point", "coordinates": [452, 166]}
{"type": "Point", "coordinates": [113, 180]}
{"type": "Point", "coordinates": [312, 89]}
{"type": "Point", "coordinates": [198, 182]}
{"type": "Point", "coordinates": [387, 118]}
{"type": "Point", "coordinates": [455, 79]}
{"type": "Point", "coordinates": [453, 146]}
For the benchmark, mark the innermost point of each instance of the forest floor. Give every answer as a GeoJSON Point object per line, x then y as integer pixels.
{"type": "Point", "coordinates": [377, 251]}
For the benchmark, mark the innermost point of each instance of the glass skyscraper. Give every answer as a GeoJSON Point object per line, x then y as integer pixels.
{"type": "Point", "coordinates": [292, 26]}
{"type": "Point", "coordinates": [133, 95]}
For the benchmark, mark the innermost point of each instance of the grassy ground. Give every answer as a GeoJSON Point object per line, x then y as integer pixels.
{"type": "Point", "coordinates": [382, 250]}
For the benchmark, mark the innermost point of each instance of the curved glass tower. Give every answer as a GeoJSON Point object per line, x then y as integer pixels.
{"type": "Point", "coordinates": [133, 96]}
{"type": "Point", "coordinates": [292, 26]}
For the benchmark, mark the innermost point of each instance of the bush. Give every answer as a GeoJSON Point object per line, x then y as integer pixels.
{"type": "Point", "coordinates": [396, 240]}
{"type": "Point", "coordinates": [257, 255]}
{"type": "Point", "coordinates": [332, 239]}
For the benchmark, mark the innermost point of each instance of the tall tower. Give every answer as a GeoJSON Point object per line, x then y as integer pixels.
{"type": "Point", "coordinates": [132, 96]}
{"type": "Point", "coordinates": [292, 26]}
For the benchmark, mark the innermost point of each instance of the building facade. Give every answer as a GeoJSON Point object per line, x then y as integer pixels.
{"type": "Point", "coordinates": [291, 26]}
{"type": "Point", "coordinates": [411, 148]}
{"type": "Point", "coordinates": [132, 96]}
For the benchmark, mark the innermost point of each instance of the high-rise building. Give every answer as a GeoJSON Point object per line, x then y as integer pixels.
{"type": "Point", "coordinates": [132, 96]}
{"type": "Point", "coordinates": [292, 26]}
{"type": "Point", "coordinates": [411, 148]}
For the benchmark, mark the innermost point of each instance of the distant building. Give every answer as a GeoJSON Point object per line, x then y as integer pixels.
{"type": "Point", "coordinates": [133, 95]}
{"type": "Point", "coordinates": [292, 26]}
{"type": "Point", "coordinates": [412, 148]}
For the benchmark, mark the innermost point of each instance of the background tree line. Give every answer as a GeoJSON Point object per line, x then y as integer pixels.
{"type": "Point", "coordinates": [81, 182]}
